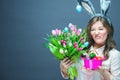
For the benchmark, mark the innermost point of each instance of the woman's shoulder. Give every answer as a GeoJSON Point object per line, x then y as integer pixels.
{"type": "Point", "coordinates": [114, 52]}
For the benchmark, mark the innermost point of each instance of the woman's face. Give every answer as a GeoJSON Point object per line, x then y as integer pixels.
{"type": "Point", "coordinates": [99, 33]}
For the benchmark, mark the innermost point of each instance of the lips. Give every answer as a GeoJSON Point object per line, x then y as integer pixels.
{"type": "Point", "coordinates": [97, 37]}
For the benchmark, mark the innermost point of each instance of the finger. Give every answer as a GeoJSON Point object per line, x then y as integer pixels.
{"type": "Point", "coordinates": [88, 69]}
{"type": "Point", "coordinates": [67, 61]}
{"type": "Point", "coordinates": [83, 67]}
{"type": "Point", "coordinates": [70, 63]}
{"type": "Point", "coordinates": [64, 60]}
{"type": "Point", "coordinates": [100, 67]}
{"type": "Point", "coordinates": [104, 67]}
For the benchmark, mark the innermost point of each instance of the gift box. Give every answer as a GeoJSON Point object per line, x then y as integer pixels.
{"type": "Point", "coordinates": [92, 63]}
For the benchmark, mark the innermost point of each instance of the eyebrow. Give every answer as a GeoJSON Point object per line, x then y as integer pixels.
{"type": "Point", "coordinates": [101, 27]}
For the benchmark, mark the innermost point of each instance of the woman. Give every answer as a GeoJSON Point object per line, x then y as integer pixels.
{"type": "Point", "coordinates": [100, 36]}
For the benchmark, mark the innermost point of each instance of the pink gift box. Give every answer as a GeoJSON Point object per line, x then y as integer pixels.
{"type": "Point", "coordinates": [92, 63]}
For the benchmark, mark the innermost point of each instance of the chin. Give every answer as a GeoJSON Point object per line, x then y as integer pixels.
{"type": "Point", "coordinates": [99, 43]}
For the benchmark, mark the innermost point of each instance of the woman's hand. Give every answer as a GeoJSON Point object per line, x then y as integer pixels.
{"type": "Point", "coordinates": [105, 71]}
{"type": "Point", "coordinates": [64, 65]}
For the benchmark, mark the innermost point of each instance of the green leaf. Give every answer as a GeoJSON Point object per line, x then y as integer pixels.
{"type": "Point", "coordinates": [55, 51]}
{"type": "Point", "coordinates": [46, 39]}
{"type": "Point", "coordinates": [54, 41]}
{"type": "Point", "coordinates": [72, 72]}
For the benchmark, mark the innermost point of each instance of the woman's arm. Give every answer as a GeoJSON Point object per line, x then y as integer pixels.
{"type": "Point", "coordinates": [114, 72]}
{"type": "Point", "coordinates": [64, 65]}
{"type": "Point", "coordinates": [105, 73]}
{"type": "Point", "coordinates": [115, 65]}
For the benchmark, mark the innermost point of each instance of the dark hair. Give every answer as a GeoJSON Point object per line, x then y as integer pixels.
{"type": "Point", "coordinates": [110, 43]}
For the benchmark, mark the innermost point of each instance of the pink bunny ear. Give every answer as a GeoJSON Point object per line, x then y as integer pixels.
{"type": "Point", "coordinates": [88, 6]}
{"type": "Point", "coordinates": [104, 4]}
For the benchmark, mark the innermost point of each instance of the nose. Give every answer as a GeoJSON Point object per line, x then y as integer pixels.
{"type": "Point", "coordinates": [96, 32]}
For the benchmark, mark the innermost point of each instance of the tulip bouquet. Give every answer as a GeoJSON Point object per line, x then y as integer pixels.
{"type": "Point", "coordinates": [69, 42]}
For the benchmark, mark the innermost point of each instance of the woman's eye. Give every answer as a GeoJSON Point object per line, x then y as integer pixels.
{"type": "Point", "coordinates": [92, 29]}
{"type": "Point", "coordinates": [100, 29]}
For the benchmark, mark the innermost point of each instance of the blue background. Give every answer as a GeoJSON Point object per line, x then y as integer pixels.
{"type": "Point", "coordinates": [24, 24]}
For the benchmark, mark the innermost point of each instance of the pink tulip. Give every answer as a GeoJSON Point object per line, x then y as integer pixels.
{"type": "Point", "coordinates": [79, 49]}
{"type": "Point", "coordinates": [53, 32]}
{"type": "Point", "coordinates": [63, 42]}
{"type": "Point", "coordinates": [72, 27]}
{"type": "Point", "coordinates": [79, 31]}
{"type": "Point", "coordinates": [73, 32]}
{"type": "Point", "coordinates": [82, 41]}
{"type": "Point", "coordinates": [81, 38]}
{"type": "Point", "coordinates": [75, 44]}
{"type": "Point", "coordinates": [56, 32]}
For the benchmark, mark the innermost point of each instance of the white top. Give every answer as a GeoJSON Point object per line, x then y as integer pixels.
{"type": "Point", "coordinates": [113, 63]}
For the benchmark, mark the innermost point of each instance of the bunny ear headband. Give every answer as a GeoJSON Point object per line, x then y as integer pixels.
{"type": "Point", "coordinates": [88, 6]}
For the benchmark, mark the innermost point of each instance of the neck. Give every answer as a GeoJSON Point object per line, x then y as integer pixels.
{"type": "Point", "coordinates": [96, 46]}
